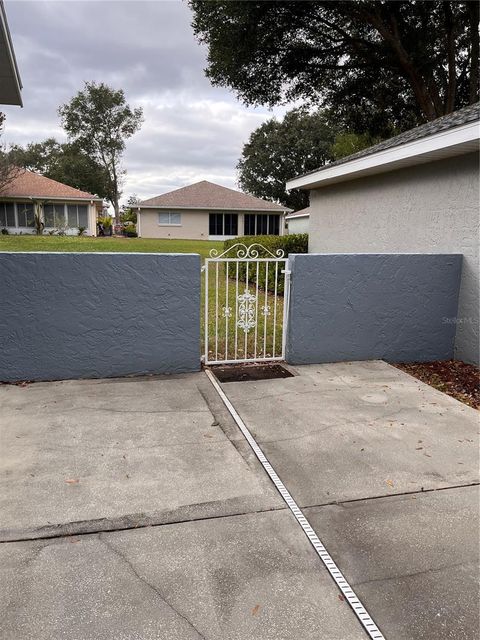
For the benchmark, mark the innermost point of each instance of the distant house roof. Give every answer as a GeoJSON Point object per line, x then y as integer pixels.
{"type": "Point", "coordinates": [10, 83]}
{"type": "Point", "coordinates": [303, 213]}
{"type": "Point", "coordinates": [28, 184]}
{"type": "Point", "coordinates": [450, 135]}
{"type": "Point", "coordinates": [207, 195]}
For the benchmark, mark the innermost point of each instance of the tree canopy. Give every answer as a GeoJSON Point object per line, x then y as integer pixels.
{"type": "Point", "coordinates": [281, 149]}
{"type": "Point", "coordinates": [99, 120]}
{"type": "Point", "coordinates": [64, 162]}
{"type": "Point", "coordinates": [381, 65]}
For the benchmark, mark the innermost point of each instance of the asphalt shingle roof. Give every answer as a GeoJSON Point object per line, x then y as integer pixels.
{"type": "Point", "coordinates": [450, 121]}
{"type": "Point", "coordinates": [28, 184]}
{"type": "Point", "coordinates": [207, 195]}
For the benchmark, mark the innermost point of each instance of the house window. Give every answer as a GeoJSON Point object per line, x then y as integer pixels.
{"type": "Point", "coordinates": [223, 224]}
{"type": "Point", "coordinates": [7, 214]}
{"type": "Point", "coordinates": [77, 215]}
{"type": "Point", "coordinates": [258, 224]}
{"type": "Point", "coordinates": [168, 217]}
{"type": "Point", "coordinates": [54, 215]}
{"type": "Point", "coordinates": [25, 214]}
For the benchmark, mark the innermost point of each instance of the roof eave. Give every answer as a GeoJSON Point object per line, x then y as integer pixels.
{"type": "Point", "coordinates": [294, 217]}
{"type": "Point", "coordinates": [14, 73]}
{"type": "Point", "coordinates": [188, 208]}
{"type": "Point", "coordinates": [444, 144]}
{"type": "Point", "coordinates": [6, 196]}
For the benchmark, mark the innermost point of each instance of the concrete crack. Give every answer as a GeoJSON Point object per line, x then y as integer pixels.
{"type": "Point", "coordinates": [151, 586]}
{"type": "Point", "coordinates": [408, 575]}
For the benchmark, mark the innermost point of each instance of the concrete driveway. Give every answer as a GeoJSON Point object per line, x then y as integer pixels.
{"type": "Point", "coordinates": [134, 508]}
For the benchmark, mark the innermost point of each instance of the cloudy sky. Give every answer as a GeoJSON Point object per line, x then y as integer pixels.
{"type": "Point", "coordinates": [192, 131]}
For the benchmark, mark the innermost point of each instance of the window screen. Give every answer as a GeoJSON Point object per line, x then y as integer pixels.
{"type": "Point", "coordinates": [7, 214]}
{"type": "Point", "coordinates": [223, 224]}
{"type": "Point", "coordinates": [54, 214]}
{"type": "Point", "coordinates": [77, 215]}
{"type": "Point", "coordinates": [261, 224]}
{"type": "Point", "coordinates": [82, 215]}
{"type": "Point", "coordinates": [25, 214]}
{"type": "Point", "coordinates": [249, 226]}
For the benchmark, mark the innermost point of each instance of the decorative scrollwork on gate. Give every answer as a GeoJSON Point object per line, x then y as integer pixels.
{"type": "Point", "coordinates": [246, 311]}
{"type": "Point", "coordinates": [244, 252]}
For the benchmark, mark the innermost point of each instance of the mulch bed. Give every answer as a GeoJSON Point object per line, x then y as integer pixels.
{"type": "Point", "coordinates": [456, 378]}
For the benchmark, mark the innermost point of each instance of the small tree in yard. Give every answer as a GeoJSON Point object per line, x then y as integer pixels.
{"type": "Point", "coordinates": [100, 121]}
{"type": "Point", "coordinates": [129, 211]}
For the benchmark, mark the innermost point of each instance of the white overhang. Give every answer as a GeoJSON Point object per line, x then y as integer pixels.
{"type": "Point", "coordinates": [444, 144]}
{"type": "Point", "coordinates": [10, 83]}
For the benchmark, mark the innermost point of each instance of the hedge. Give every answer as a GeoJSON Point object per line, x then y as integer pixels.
{"type": "Point", "coordinates": [294, 243]}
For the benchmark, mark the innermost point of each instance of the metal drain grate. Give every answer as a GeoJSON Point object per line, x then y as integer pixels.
{"type": "Point", "coordinates": [362, 614]}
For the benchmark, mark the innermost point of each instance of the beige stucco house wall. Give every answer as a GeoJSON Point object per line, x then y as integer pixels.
{"type": "Point", "coordinates": [297, 224]}
{"type": "Point", "coordinates": [194, 224]}
{"type": "Point", "coordinates": [431, 208]}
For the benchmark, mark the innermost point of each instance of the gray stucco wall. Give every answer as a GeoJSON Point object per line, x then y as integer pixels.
{"type": "Point", "coordinates": [92, 315]}
{"type": "Point", "coordinates": [431, 208]}
{"type": "Point", "coordinates": [362, 307]}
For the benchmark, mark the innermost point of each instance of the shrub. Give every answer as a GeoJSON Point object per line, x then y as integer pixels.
{"type": "Point", "coordinates": [295, 243]}
{"type": "Point", "coordinates": [5, 232]}
{"type": "Point", "coordinates": [81, 230]}
{"type": "Point", "coordinates": [130, 233]}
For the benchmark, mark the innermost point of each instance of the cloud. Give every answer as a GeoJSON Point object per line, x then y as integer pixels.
{"type": "Point", "coordinates": [192, 131]}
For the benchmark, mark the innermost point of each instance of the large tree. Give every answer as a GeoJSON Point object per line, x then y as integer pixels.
{"type": "Point", "coordinates": [281, 149]}
{"type": "Point", "coordinates": [8, 170]}
{"type": "Point", "coordinates": [64, 162]}
{"type": "Point", "coordinates": [99, 120]}
{"type": "Point", "coordinates": [380, 64]}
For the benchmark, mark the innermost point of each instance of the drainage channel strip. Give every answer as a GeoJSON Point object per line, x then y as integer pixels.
{"type": "Point", "coordinates": [351, 597]}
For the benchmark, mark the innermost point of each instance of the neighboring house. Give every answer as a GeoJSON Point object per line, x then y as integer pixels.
{"type": "Point", "coordinates": [207, 211]}
{"type": "Point", "coordinates": [10, 83]}
{"type": "Point", "coordinates": [417, 192]}
{"type": "Point", "coordinates": [298, 221]}
{"type": "Point", "coordinates": [58, 204]}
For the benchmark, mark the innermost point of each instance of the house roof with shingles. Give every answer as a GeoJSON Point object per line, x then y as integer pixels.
{"type": "Point", "coordinates": [467, 117]}
{"type": "Point", "coordinates": [28, 184]}
{"type": "Point", "coordinates": [207, 195]}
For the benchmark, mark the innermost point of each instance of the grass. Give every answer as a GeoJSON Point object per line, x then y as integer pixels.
{"type": "Point", "coordinates": [226, 326]}
{"type": "Point", "coordinates": [122, 245]}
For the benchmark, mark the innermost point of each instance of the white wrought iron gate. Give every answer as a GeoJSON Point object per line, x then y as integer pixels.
{"type": "Point", "coordinates": [246, 305]}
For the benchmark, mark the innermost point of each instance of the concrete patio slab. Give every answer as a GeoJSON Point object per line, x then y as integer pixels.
{"type": "Point", "coordinates": [93, 455]}
{"type": "Point", "coordinates": [353, 430]}
{"type": "Point", "coordinates": [413, 560]}
{"type": "Point", "coordinates": [232, 578]}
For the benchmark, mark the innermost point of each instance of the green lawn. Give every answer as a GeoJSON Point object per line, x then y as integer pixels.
{"type": "Point", "coordinates": [268, 325]}
{"type": "Point", "coordinates": [73, 243]}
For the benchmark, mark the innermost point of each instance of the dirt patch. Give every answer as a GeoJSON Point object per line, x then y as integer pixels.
{"type": "Point", "coordinates": [456, 378]}
{"type": "Point", "coordinates": [248, 372]}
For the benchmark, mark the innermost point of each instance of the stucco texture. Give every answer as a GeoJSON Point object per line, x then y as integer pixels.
{"type": "Point", "coordinates": [194, 225]}
{"type": "Point", "coordinates": [430, 208]}
{"type": "Point", "coordinates": [298, 225]}
{"type": "Point", "coordinates": [93, 315]}
{"type": "Point", "coordinates": [366, 307]}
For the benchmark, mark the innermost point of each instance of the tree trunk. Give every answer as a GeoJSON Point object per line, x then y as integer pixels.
{"type": "Point", "coordinates": [474, 50]}
{"type": "Point", "coordinates": [116, 208]}
{"type": "Point", "coordinates": [452, 72]}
